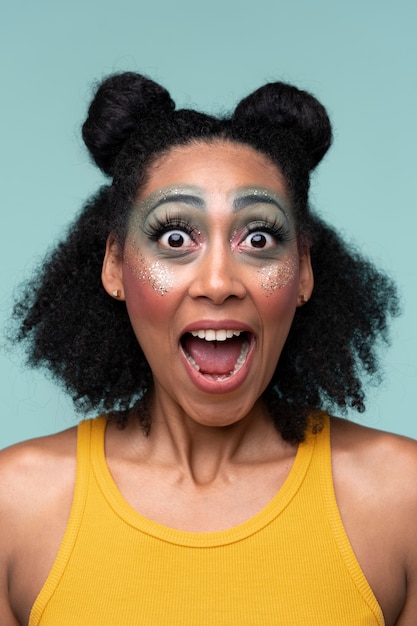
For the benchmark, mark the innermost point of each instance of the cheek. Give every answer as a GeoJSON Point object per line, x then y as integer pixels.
{"type": "Point", "coordinates": [278, 288]}
{"type": "Point", "coordinates": [278, 277]}
{"type": "Point", "coordinates": [146, 292]}
{"type": "Point", "coordinates": [151, 273]}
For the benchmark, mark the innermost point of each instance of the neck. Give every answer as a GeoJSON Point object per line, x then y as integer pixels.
{"type": "Point", "coordinates": [203, 453]}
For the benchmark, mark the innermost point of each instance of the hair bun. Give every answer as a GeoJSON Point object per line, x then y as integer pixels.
{"type": "Point", "coordinates": [120, 104]}
{"type": "Point", "coordinates": [285, 106]}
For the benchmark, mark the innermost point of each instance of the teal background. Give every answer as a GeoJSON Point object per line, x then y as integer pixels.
{"type": "Point", "coordinates": [358, 57]}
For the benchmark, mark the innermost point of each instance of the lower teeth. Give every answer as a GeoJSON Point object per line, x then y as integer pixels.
{"type": "Point", "coordinates": [219, 377]}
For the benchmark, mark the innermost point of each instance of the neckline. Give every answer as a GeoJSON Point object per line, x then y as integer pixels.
{"type": "Point", "coordinates": [254, 524]}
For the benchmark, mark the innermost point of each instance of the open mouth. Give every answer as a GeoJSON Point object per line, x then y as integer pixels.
{"type": "Point", "coordinates": [218, 354]}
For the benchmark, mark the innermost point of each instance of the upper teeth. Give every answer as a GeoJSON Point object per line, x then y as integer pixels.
{"type": "Point", "coordinates": [215, 335]}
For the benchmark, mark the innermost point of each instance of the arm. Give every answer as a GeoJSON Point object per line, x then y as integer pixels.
{"type": "Point", "coordinates": [6, 615]}
{"type": "Point", "coordinates": [7, 546]}
{"type": "Point", "coordinates": [408, 615]}
{"type": "Point", "coordinates": [375, 478]}
{"type": "Point", "coordinates": [37, 483]}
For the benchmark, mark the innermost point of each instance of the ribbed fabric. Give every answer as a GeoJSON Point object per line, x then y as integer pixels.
{"type": "Point", "coordinates": [291, 564]}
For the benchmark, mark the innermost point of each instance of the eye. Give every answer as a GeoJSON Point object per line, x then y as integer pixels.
{"type": "Point", "coordinates": [175, 239]}
{"type": "Point", "coordinates": [259, 240]}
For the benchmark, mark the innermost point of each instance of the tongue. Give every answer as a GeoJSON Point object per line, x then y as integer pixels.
{"type": "Point", "coordinates": [214, 357]}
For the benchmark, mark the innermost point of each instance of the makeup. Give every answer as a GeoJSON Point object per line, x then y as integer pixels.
{"type": "Point", "coordinates": [253, 195]}
{"type": "Point", "coordinates": [212, 245]}
{"type": "Point", "coordinates": [159, 277]}
{"type": "Point", "coordinates": [187, 195]}
{"type": "Point", "coordinates": [274, 277]}
{"type": "Point", "coordinates": [192, 196]}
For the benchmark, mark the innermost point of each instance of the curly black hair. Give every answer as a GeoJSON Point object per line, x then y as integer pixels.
{"type": "Point", "coordinates": [84, 338]}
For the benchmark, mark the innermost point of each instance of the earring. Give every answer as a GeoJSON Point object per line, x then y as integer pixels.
{"type": "Point", "coordinates": [116, 293]}
{"type": "Point", "coordinates": [301, 299]}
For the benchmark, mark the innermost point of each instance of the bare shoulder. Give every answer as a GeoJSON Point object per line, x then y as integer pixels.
{"type": "Point", "coordinates": [36, 466]}
{"type": "Point", "coordinates": [380, 467]}
{"type": "Point", "coordinates": [37, 480]}
{"type": "Point", "coordinates": [375, 454]}
{"type": "Point", "coordinates": [37, 477]}
{"type": "Point", "coordinates": [375, 479]}
{"type": "Point", "coordinates": [34, 475]}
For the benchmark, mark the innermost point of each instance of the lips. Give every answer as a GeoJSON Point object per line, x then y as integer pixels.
{"type": "Point", "coordinates": [217, 354]}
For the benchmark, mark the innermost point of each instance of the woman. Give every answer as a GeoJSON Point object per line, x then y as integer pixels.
{"type": "Point", "coordinates": [202, 307]}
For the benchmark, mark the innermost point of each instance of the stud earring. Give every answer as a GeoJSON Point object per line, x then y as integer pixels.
{"type": "Point", "coordinates": [301, 299]}
{"type": "Point", "coordinates": [116, 293]}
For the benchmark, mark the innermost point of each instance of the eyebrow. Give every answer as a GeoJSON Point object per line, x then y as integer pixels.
{"type": "Point", "coordinates": [248, 200]}
{"type": "Point", "coordinates": [185, 198]}
{"type": "Point", "coordinates": [243, 201]}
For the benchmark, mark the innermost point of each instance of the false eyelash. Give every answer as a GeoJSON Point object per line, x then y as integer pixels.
{"type": "Point", "coordinates": [159, 226]}
{"type": "Point", "coordinates": [280, 232]}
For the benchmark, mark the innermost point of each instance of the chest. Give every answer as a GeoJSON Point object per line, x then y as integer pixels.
{"type": "Point", "coordinates": [283, 565]}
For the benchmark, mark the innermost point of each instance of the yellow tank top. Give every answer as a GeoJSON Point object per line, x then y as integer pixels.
{"type": "Point", "coordinates": [291, 564]}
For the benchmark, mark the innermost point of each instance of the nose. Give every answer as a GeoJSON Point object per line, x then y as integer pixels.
{"type": "Point", "coordinates": [218, 276]}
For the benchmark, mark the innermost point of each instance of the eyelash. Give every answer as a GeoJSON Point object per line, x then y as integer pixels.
{"type": "Point", "coordinates": [280, 232]}
{"type": "Point", "coordinates": [161, 226]}
{"type": "Point", "coordinates": [154, 231]}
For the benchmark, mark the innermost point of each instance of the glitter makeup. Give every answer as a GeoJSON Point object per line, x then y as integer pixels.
{"type": "Point", "coordinates": [211, 242]}
{"type": "Point", "coordinates": [251, 195]}
{"type": "Point", "coordinates": [159, 277]}
{"type": "Point", "coordinates": [187, 194]}
{"type": "Point", "coordinates": [274, 277]}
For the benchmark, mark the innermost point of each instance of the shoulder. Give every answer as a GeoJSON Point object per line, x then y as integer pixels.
{"type": "Point", "coordinates": [381, 465]}
{"type": "Point", "coordinates": [35, 474]}
{"type": "Point", "coordinates": [374, 454]}
{"type": "Point", "coordinates": [37, 480]}
{"type": "Point", "coordinates": [37, 462]}
{"type": "Point", "coordinates": [375, 481]}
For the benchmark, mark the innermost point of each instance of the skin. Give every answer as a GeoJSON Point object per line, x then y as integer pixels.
{"type": "Point", "coordinates": [218, 277]}
{"type": "Point", "coordinates": [216, 456]}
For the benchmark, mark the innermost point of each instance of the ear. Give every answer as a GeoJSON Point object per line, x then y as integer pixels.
{"type": "Point", "coordinates": [112, 271]}
{"type": "Point", "coordinates": [306, 281]}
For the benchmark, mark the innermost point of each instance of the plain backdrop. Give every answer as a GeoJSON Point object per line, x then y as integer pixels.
{"type": "Point", "coordinates": [358, 57]}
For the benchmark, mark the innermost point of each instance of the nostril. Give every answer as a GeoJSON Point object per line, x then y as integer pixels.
{"type": "Point", "coordinates": [217, 286]}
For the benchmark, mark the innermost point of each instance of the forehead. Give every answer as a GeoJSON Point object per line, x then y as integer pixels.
{"type": "Point", "coordinates": [217, 167]}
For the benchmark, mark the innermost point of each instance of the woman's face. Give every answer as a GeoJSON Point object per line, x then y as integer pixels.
{"type": "Point", "coordinates": [211, 275]}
